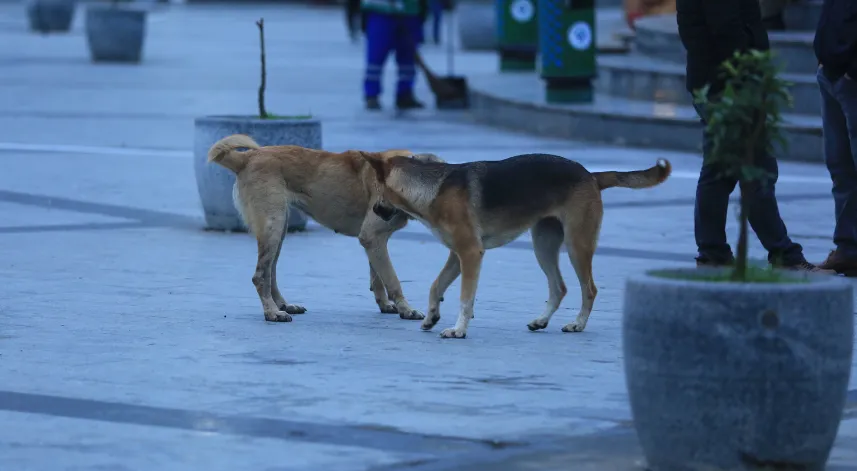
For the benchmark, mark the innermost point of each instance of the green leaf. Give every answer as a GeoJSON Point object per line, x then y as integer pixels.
{"type": "Point", "coordinates": [745, 118]}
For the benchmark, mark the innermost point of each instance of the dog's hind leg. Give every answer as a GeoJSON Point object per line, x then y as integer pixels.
{"type": "Point", "coordinates": [264, 206]}
{"type": "Point", "coordinates": [376, 284]}
{"type": "Point", "coordinates": [275, 290]}
{"type": "Point", "coordinates": [547, 239]}
{"type": "Point", "coordinates": [448, 274]}
{"type": "Point", "coordinates": [373, 237]}
{"type": "Point", "coordinates": [581, 238]}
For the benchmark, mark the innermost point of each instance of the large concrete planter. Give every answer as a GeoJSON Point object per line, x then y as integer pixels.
{"type": "Point", "coordinates": [215, 182]}
{"type": "Point", "coordinates": [115, 34]}
{"type": "Point", "coordinates": [724, 375]}
{"type": "Point", "coordinates": [47, 16]}
{"type": "Point", "coordinates": [477, 25]}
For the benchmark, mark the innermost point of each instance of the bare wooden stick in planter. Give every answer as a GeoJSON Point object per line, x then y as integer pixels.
{"type": "Point", "coordinates": [263, 113]}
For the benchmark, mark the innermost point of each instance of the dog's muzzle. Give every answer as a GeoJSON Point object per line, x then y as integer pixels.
{"type": "Point", "coordinates": [384, 212]}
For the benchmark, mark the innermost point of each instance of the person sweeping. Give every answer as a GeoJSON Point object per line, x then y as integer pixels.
{"type": "Point", "coordinates": [392, 25]}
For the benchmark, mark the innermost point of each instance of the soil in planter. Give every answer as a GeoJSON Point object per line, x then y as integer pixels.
{"type": "Point", "coordinates": [755, 274]}
{"type": "Point", "coordinates": [276, 116]}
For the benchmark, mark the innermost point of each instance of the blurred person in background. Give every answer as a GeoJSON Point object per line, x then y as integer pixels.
{"type": "Point", "coordinates": [836, 50]}
{"type": "Point", "coordinates": [393, 25]}
{"type": "Point", "coordinates": [354, 19]}
{"type": "Point", "coordinates": [711, 32]}
{"type": "Point", "coordinates": [437, 8]}
{"type": "Point", "coordinates": [772, 14]}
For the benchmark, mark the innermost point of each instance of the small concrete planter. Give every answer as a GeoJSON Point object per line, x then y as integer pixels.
{"type": "Point", "coordinates": [477, 25]}
{"type": "Point", "coordinates": [723, 376]}
{"type": "Point", "coordinates": [115, 34]}
{"type": "Point", "coordinates": [48, 16]}
{"type": "Point", "coordinates": [215, 182]}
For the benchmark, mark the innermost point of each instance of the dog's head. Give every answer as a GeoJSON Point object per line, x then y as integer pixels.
{"type": "Point", "coordinates": [390, 171]}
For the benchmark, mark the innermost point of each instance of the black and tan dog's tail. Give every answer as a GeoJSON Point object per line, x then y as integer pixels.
{"type": "Point", "coordinates": [225, 151]}
{"type": "Point", "coordinates": [637, 179]}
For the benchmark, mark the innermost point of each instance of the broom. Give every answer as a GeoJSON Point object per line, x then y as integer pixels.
{"type": "Point", "coordinates": [450, 92]}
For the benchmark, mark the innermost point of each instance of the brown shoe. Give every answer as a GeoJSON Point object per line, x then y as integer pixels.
{"type": "Point", "coordinates": [840, 264]}
{"type": "Point", "coordinates": [806, 266]}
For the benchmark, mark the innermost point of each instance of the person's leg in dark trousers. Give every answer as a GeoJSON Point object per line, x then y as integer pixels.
{"type": "Point", "coordinates": [764, 216]}
{"type": "Point", "coordinates": [839, 121]}
{"type": "Point", "coordinates": [436, 15]}
{"type": "Point", "coordinates": [380, 37]}
{"type": "Point", "coordinates": [352, 18]}
{"type": "Point", "coordinates": [409, 36]}
{"type": "Point", "coordinates": [711, 207]}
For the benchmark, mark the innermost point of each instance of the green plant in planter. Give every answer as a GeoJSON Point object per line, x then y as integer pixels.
{"type": "Point", "coordinates": [263, 111]}
{"type": "Point", "coordinates": [742, 121]}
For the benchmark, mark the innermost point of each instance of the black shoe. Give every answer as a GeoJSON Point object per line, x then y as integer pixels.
{"type": "Point", "coordinates": [705, 261]}
{"type": "Point", "coordinates": [373, 104]}
{"type": "Point", "coordinates": [408, 102]}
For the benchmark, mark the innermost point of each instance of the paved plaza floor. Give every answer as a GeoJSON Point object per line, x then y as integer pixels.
{"type": "Point", "coordinates": [131, 339]}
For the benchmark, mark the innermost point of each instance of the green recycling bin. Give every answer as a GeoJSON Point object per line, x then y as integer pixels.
{"type": "Point", "coordinates": [517, 34]}
{"type": "Point", "coordinates": [567, 47]}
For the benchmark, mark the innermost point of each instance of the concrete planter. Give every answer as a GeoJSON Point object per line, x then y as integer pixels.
{"type": "Point", "coordinates": [477, 25]}
{"type": "Point", "coordinates": [115, 34]}
{"type": "Point", "coordinates": [724, 375]}
{"type": "Point", "coordinates": [215, 182]}
{"type": "Point", "coordinates": [47, 16]}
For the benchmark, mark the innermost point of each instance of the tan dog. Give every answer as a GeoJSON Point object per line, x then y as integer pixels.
{"type": "Point", "coordinates": [477, 206]}
{"type": "Point", "coordinates": [337, 190]}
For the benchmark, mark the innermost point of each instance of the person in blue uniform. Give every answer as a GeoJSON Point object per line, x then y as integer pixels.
{"type": "Point", "coordinates": [392, 25]}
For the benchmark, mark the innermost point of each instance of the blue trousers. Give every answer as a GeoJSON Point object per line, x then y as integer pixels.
{"type": "Point", "coordinates": [383, 34]}
{"type": "Point", "coordinates": [436, 8]}
{"type": "Point", "coordinates": [839, 122]}
{"type": "Point", "coordinates": [712, 205]}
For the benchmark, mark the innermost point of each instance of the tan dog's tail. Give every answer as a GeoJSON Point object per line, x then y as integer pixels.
{"type": "Point", "coordinates": [637, 179]}
{"type": "Point", "coordinates": [224, 151]}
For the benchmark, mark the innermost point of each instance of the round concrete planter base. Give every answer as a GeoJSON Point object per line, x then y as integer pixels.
{"type": "Point", "coordinates": [50, 16]}
{"type": "Point", "coordinates": [723, 375]}
{"type": "Point", "coordinates": [115, 34]}
{"type": "Point", "coordinates": [215, 183]}
{"type": "Point", "coordinates": [477, 25]}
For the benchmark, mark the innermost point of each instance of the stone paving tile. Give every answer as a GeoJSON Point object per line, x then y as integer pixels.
{"type": "Point", "coordinates": [163, 315]}
{"type": "Point", "coordinates": [99, 445]}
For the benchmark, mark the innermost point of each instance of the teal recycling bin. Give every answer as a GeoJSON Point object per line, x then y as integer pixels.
{"type": "Point", "coordinates": [567, 47]}
{"type": "Point", "coordinates": [517, 34]}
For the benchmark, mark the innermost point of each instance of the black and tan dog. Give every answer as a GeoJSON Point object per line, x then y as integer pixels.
{"type": "Point", "coordinates": [338, 190]}
{"type": "Point", "coordinates": [476, 206]}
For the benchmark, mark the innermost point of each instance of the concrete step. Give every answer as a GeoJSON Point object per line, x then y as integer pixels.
{"type": "Point", "coordinates": [516, 101]}
{"type": "Point", "coordinates": [802, 15]}
{"type": "Point", "coordinates": [657, 36]}
{"type": "Point", "coordinates": [639, 77]}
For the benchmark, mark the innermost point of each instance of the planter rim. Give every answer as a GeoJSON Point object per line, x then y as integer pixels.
{"type": "Point", "coordinates": [255, 120]}
{"type": "Point", "coordinates": [125, 7]}
{"type": "Point", "coordinates": [815, 281]}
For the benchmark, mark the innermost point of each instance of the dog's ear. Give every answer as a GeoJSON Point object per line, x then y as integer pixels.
{"type": "Point", "coordinates": [377, 164]}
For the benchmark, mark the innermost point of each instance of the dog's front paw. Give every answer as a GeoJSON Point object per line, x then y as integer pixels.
{"type": "Point", "coordinates": [453, 334]}
{"type": "Point", "coordinates": [431, 320]}
{"type": "Point", "coordinates": [388, 308]}
{"type": "Point", "coordinates": [293, 308]}
{"type": "Point", "coordinates": [411, 315]}
{"type": "Point", "coordinates": [278, 316]}
{"type": "Point", "coordinates": [573, 327]}
{"type": "Point", "coordinates": [537, 324]}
